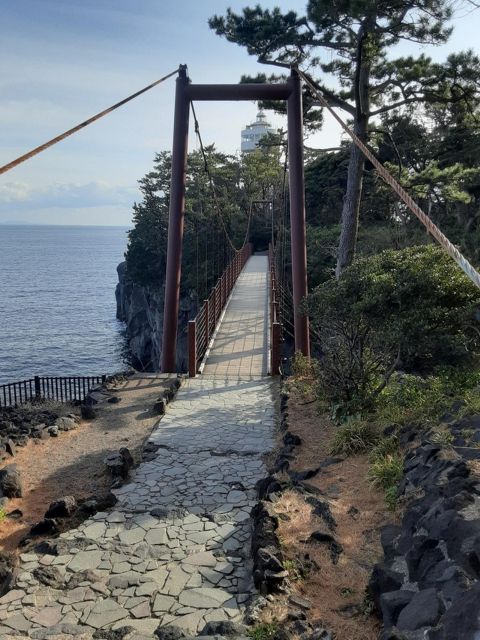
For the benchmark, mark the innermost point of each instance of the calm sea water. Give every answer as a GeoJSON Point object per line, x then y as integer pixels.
{"type": "Point", "coordinates": [57, 301]}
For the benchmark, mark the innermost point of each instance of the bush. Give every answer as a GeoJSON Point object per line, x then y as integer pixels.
{"type": "Point", "coordinates": [414, 400]}
{"type": "Point", "coordinates": [355, 436]}
{"type": "Point", "coordinates": [263, 631]}
{"type": "Point", "coordinates": [385, 472]}
{"type": "Point", "coordinates": [411, 309]}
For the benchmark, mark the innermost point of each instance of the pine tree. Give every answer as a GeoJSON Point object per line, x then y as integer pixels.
{"type": "Point", "coordinates": [348, 41]}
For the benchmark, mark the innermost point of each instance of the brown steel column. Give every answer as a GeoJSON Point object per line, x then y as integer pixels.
{"type": "Point", "coordinates": [175, 223]}
{"type": "Point", "coordinates": [297, 211]}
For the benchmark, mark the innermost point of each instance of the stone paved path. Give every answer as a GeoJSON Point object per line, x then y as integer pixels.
{"type": "Point", "coordinates": [176, 547]}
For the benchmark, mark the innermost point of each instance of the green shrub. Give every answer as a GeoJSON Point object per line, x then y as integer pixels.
{"type": "Point", "coordinates": [303, 367]}
{"type": "Point", "coordinates": [263, 631]}
{"type": "Point", "coordinates": [411, 308]}
{"type": "Point", "coordinates": [410, 399]}
{"type": "Point", "coordinates": [355, 436]}
{"type": "Point", "coordinates": [442, 437]}
{"type": "Point", "coordinates": [384, 447]}
{"type": "Point", "coordinates": [386, 471]}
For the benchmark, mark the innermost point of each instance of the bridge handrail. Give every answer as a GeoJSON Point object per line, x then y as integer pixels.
{"type": "Point", "coordinates": [275, 318]}
{"type": "Point", "coordinates": [60, 388]}
{"type": "Point", "coordinates": [202, 327]}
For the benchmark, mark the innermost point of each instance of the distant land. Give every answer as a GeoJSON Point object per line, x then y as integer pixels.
{"type": "Point", "coordinates": [27, 223]}
{"type": "Point", "coordinates": [12, 222]}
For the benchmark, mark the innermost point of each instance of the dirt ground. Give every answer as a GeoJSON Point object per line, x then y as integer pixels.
{"type": "Point", "coordinates": [336, 591]}
{"type": "Point", "coordinates": [72, 463]}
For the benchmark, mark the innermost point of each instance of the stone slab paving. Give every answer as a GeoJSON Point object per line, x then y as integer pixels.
{"type": "Point", "coordinates": [175, 549]}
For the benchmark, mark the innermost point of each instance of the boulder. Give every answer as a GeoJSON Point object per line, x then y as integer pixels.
{"type": "Point", "coordinates": [7, 572]}
{"type": "Point", "coordinates": [268, 486]}
{"type": "Point", "coordinates": [39, 432]}
{"type": "Point", "coordinates": [300, 476]}
{"type": "Point", "coordinates": [298, 601]}
{"type": "Point", "coordinates": [322, 510]}
{"type": "Point", "coordinates": [53, 431]}
{"type": "Point", "coordinates": [222, 628]}
{"type": "Point", "coordinates": [49, 576]}
{"type": "Point", "coordinates": [65, 424]}
{"type": "Point", "coordinates": [291, 439]}
{"type": "Point", "coordinates": [10, 482]}
{"type": "Point", "coordinates": [63, 508]}
{"type": "Point", "coordinates": [112, 634]}
{"type": "Point", "coordinates": [392, 603]}
{"type": "Point", "coordinates": [268, 572]}
{"type": "Point", "coordinates": [87, 411]}
{"type": "Point", "coordinates": [45, 527]}
{"type": "Point", "coordinates": [423, 610]}
{"type": "Point", "coordinates": [119, 464]}
{"type": "Point", "coordinates": [335, 547]}
{"type": "Point", "coordinates": [10, 447]}
{"type": "Point", "coordinates": [319, 633]}
{"type": "Point", "coordinates": [462, 620]}
{"type": "Point", "coordinates": [383, 580]}
{"type": "Point", "coordinates": [170, 632]}
{"type": "Point", "coordinates": [159, 407]}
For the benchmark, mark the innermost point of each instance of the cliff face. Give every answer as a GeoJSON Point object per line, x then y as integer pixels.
{"type": "Point", "coordinates": [142, 311]}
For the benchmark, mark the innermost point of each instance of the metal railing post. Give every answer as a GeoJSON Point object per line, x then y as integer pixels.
{"type": "Point", "coordinates": [207, 322]}
{"type": "Point", "coordinates": [275, 353]}
{"type": "Point", "coordinates": [37, 387]}
{"type": "Point", "coordinates": [192, 348]}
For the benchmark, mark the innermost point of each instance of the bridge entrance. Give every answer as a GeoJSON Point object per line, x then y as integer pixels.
{"type": "Point", "coordinates": [186, 93]}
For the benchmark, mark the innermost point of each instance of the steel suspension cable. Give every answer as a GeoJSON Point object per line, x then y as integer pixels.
{"type": "Point", "coordinates": [431, 227]}
{"type": "Point", "coordinates": [82, 125]}
{"type": "Point", "coordinates": [216, 204]}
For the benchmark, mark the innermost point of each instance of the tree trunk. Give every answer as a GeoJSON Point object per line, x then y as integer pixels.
{"type": "Point", "coordinates": [351, 203]}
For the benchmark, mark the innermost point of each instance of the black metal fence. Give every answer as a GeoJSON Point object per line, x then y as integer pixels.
{"type": "Point", "coordinates": [63, 389]}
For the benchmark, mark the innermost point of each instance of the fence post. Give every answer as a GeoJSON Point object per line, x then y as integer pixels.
{"type": "Point", "coordinates": [37, 387]}
{"type": "Point", "coordinates": [192, 348]}
{"type": "Point", "coordinates": [207, 322]}
{"type": "Point", "coordinates": [275, 354]}
{"type": "Point", "coordinates": [214, 310]}
{"type": "Point", "coordinates": [273, 300]}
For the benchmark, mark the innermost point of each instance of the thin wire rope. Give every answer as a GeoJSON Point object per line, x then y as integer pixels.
{"type": "Point", "coordinates": [82, 125]}
{"type": "Point", "coordinates": [214, 192]}
{"type": "Point", "coordinates": [431, 227]}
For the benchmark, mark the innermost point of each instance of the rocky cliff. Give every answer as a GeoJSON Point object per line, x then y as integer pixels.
{"type": "Point", "coordinates": [142, 311]}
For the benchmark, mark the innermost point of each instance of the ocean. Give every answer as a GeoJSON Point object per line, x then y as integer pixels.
{"type": "Point", "coordinates": [57, 301]}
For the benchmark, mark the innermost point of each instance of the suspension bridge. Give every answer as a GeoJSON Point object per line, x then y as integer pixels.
{"type": "Point", "coordinates": [175, 549]}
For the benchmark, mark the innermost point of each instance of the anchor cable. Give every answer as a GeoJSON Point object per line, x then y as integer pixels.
{"type": "Point", "coordinates": [62, 136]}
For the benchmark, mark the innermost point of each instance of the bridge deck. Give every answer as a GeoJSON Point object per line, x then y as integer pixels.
{"type": "Point", "coordinates": [240, 348]}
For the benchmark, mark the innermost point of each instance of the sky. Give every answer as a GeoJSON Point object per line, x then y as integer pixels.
{"type": "Point", "coordinates": [65, 60]}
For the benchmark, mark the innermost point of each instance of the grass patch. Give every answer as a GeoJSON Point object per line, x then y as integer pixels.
{"type": "Point", "coordinates": [305, 373]}
{"type": "Point", "coordinates": [442, 437]}
{"type": "Point", "coordinates": [294, 570]}
{"type": "Point", "coordinates": [467, 434]}
{"type": "Point", "coordinates": [263, 631]}
{"type": "Point", "coordinates": [386, 471]}
{"type": "Point", "coordinates": [355, 436]}
{"type": "Point", "coordinates": [3, 514]}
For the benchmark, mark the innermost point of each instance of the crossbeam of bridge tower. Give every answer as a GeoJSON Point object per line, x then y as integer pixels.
{"type": "Point", "coordinates": [186, 92]}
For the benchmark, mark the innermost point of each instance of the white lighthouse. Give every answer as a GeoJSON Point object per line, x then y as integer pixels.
{"type": "Point", "coordinates": [254, 132]}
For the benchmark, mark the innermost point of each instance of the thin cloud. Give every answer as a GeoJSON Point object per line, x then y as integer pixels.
{"type": "Point", "coordinates": [18, 196]}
